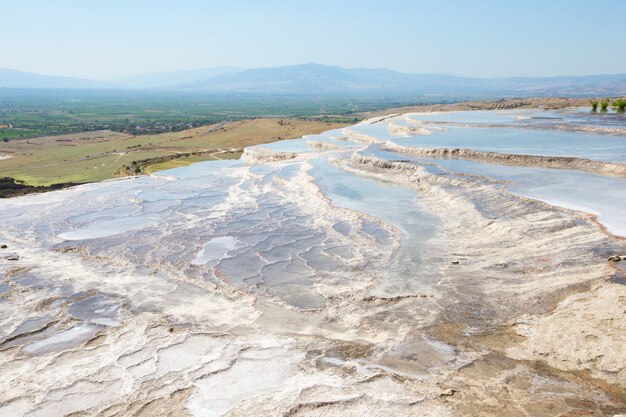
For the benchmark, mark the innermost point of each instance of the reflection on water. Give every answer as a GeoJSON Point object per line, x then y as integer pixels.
{"type": "Point", "coordinates": [525, 117]}
{"type": "Point", "coordinates": [525, 142]}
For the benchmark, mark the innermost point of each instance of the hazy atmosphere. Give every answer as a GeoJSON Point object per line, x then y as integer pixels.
{"type": "Point", "coordinates": [104, 40]}
{"type": "Point", "coordinates": [312, 209]}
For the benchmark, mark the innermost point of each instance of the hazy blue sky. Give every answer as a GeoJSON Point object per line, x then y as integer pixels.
{"type": "Point", "coordinates": [101, 39]}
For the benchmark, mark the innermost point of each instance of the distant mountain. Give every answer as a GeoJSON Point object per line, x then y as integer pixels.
{"type": "Point", "coordinates": [168, 79]}
{"type": "Point", "coordinates": [19, 79]}
{"type": "Point", "coordinates": [310, 79]}
{"type": "Point", "coordinates": [323, 79]}
{"type": "Point", "coordinates": [318, 79]}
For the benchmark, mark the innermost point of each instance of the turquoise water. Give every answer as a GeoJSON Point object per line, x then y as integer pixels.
{"type": "Point", "coordinates": [596, 194]}
{"type": "Point", "coordinates": [290, 145]}
{"type": "Point", "coordinates": [478, 117]}
{"type": "Point", "coordinates": [417, 264]}
{"type": "Point", "coordinates": [525, 141]}
{"type": "Point", "coordinates": [525, 117]}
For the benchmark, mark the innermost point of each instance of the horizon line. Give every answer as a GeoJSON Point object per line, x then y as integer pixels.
{"type": "Point", "coordinates": [112, 79]}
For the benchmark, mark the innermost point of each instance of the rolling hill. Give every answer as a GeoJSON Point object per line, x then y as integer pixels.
{"type": "Point", "coordinates": [322, 79]}
{"type": "Point", "coordinates": [19, 79]}
{"type": "Point", "coordinates": [316, 79]}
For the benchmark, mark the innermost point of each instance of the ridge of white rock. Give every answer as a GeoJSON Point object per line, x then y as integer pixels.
{"type": "Point", "coordinates": [340, 274]}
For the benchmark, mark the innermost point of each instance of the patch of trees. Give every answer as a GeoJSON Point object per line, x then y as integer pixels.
{"type": "Point", "coordinates": [11, 187]}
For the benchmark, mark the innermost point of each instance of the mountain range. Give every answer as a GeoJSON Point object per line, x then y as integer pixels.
{"type": "Point", "coordinates": [19, 79]}
{"type": "Point", "coordinates": [316, 79]}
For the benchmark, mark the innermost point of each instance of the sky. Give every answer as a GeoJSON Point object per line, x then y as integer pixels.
{"type": "Point", "coordinates": [110, 38]}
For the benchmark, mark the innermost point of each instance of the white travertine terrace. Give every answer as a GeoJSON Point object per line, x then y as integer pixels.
{"type": "Point", "coordinates": [347, 274]}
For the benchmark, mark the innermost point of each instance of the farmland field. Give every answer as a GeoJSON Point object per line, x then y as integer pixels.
{"type": "Point", "coordinates": [29, 113]}
{"type": "Point", "coordinates": [99, 155]}
{"type": "Point", "coordinates": [75, 136]}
